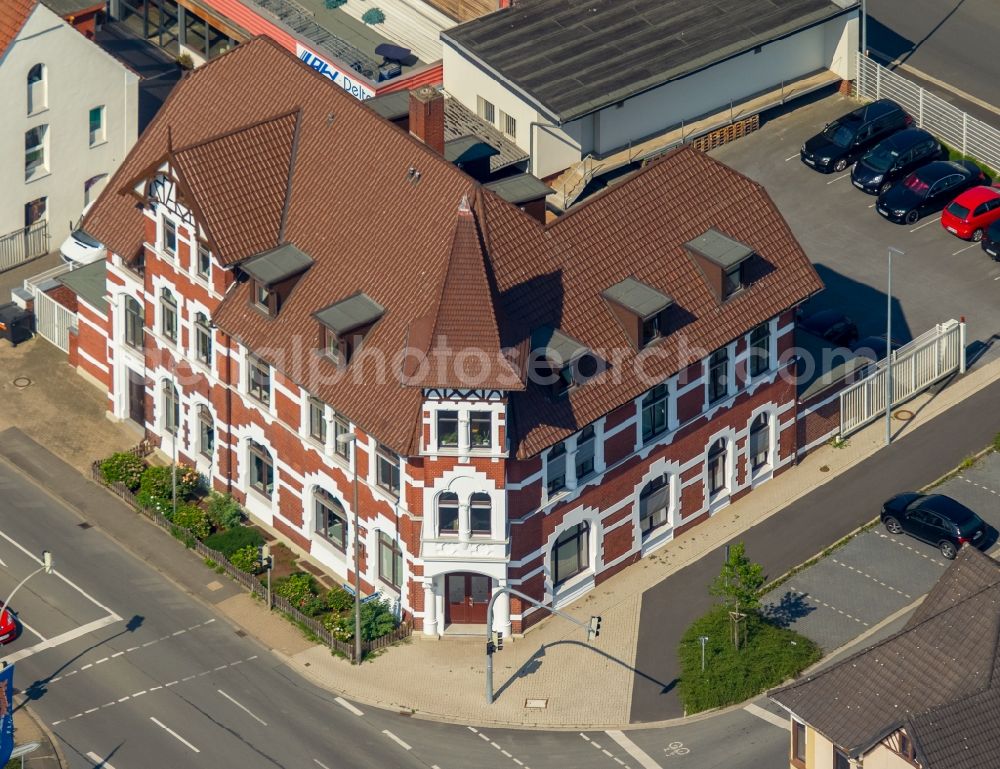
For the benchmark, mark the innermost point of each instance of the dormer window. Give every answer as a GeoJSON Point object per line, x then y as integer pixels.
{"type": "Point", "coordinates": [562, 362]}
{"type": "Point", "coordinates": [640, 309]}
{"type": "Point", "coordinates": [344, 325]}
{"type": "Point", "coordinates": [723, 261]}
{"type": "Point", "coordinates": [274, 274]}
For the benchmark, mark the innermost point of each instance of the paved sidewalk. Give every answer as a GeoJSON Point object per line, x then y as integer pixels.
{"type": "Point", "coordinates": [552, 663]}
{"type": "Point", "coordinates": [28, 729]}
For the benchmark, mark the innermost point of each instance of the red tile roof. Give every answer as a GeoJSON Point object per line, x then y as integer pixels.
{"type": "Point", "coordinates": [13, 15]}
{"type": "Point", "coordinates": [378, 212]}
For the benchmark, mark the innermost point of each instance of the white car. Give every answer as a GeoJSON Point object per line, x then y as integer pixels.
{"type": "Point", "coordinates": [80, 249]}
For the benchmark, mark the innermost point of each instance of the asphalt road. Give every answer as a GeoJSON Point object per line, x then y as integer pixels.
{"type": "Point", "coordinates": [798, 532]}
{"type": "Point", "coordinates": [950, 40]}
{"type": "Point", "coordinates": [130, 645]}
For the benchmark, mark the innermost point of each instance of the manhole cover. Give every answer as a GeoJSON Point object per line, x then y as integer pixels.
{"type": "Point", "coordinates": [903, 415]}
{"type": "Point", "coordinates": [21, 381]}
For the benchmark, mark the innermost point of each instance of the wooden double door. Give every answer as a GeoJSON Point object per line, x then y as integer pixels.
{"type": "Point", "coordinates": [466, 598]}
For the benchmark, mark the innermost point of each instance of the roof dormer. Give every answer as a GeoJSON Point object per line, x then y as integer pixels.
{"type": "Point", "coordinates": [723, 260]}
{"type": "Point", "coordinates": [562, 362]}
{"type": "Point", "coordinates": [640, 309]}
{"type": "Point", "coordinates": [273, 274]}
{"type": "Point", "coordinates": [344, 325]}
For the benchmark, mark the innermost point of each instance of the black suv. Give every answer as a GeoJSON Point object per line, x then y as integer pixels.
{"type": "Point", "coordinates": [991, 241]}
{"type": "Point", "coordinates": [893, 158]}
{"type": "Point", "coordinates": [934, 518]}
{"type": "Point", "coordinates": [847, 138]}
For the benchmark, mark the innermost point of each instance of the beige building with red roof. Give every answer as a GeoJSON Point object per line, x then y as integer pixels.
{"type": "Point", "coordinates": [302, 294]}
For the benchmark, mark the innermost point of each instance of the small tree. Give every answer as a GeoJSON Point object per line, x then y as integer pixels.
{"type": "Point", "coordinates": [739, 584]}
{"type": "Point", "coordinates": [373, 16]}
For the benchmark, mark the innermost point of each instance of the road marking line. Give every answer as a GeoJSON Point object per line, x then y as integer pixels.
{"type": "Point", "coordinates": [188, 678]}
{"type": "Point", "coordinates": [71, 673]}
{"type": "Point", "coordinates": [930, 221]}
{"type": "Point", "coordinates": [519, 763]}
{"type": "Point", "coordinates": [618, 761]}
{"type": "Point", "coordinates": [131, 648]}
{"type": "Point", "coordinates": [172, 733]}
{"type": "Point", "coordinates": [76, 716]}
{"type": "Point", "coordinates": [123, 698]}
{"type": "Point", "coordinates": [76, 587]}
{"type": "Point", "coordinates": [506, 753]}
{"type": "Point", "coordinates": [633, 750]}
{"type": "Point", "coordinates": [88, 665]}
{"type": "Point", "coordinates": [139, 694]}
{"type": "Point", "coordinates": [585, 736]}
{"type": "Point", "coordinates": [108, 704]}
{"type": "Point", "coordinates": [396, 739]}
{"type": "Point", "coordinates": [483, 736]}
{"type": "Point", "coordinates": [767, 715]}
{"type": "Point", "coordinates": [92, 710]}
{"type": "Point", "coordinates": [69, 635]}
{"type": "Point", "coordinates": [792, 157]}
{"type": "Point", "coordinates": [872, 205]}
{"type": "Point", "coordinates": [844, 176]}
{"type": "Point", "coordinates": [56, 723]}
{"type": "Point", "coordinates": [150, 643]}
{"type": "Point", "coordinates": [101, 762]}
{"type": "Point", "coordinates": [348, 706]}
{"type": "Point", "coordinates": [44, 639]}
{"type": "Point", "coordinates": [607, 753]}
{"type": "Point", "coordinates": [221, 667]}
{"type": "Point", "coordinates": [320, 763]}
{"type": "Point", "coordinates": [472, 729]}
{"type": "Point", "coordinates": [243, 708]}
{"type": "Point", "coordinates": [172, 683]}
{"type": "Point", "coordinates": [101, 660]}
{"type": "Point", "coordinates": [964, 249]}
{"type": "Point", "coordinates": [494, 745]}
{"type": "Point", "coordinates": [154, 688]}
{"type": "Point", "coordinates": [53, 680]}
{"type": "Point", "coordinates": [178, 632]}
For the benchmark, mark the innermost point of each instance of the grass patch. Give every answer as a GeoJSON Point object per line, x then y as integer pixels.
{"type": "Point", "coordinates": [770, 655]}
{"type": "Point", "coordinates": [954, 154]}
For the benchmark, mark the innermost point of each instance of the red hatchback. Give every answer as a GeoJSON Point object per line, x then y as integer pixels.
{"type": "Point", "coordinates": [968, 215]}
{"type": "Point", "coordinates": [8, 626]}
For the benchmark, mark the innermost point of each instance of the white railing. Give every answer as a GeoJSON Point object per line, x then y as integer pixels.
{"type": "Point", "coordinates": [915, 366]}
{"type": "Point", "coordinates": [52, 321]}
{"type": "Point", "coordinates": [966, 134]}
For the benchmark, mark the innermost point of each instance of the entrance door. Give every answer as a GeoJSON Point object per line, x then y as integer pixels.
{"type": "Point", "coordinates": [137, 398]}
{"type": "Point", "coordinates": [468, 596]}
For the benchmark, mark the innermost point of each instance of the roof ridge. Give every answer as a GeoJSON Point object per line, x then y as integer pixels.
{"type": "Point", "coordinates": [291, 171]}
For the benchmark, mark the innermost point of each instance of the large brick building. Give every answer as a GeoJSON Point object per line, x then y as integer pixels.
{"type": "Point", "coordinates": [524, 404]}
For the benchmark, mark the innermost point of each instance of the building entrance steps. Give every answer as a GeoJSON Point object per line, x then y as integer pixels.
{"type": "Point", "coordinates": [570, 184]}
{"type": "Point", "coordinates": [554, 661]}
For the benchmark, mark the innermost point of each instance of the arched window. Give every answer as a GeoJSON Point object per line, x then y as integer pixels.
{"type": "Point", "coordinates": [331, 520]}
{"type": "Point", "coordinates": [717, 467]}
{"type": "Point", "coordinates": [171, 408]}
{"type": "Point", "coordinates": [261, 470]}
{"type": "Point", "coordinates": [760, 442]}
{"type": "Point", "coordinates": [133, 322]}
{"type": "Point", "coordinates": [206, 432]}
{"type": "Point", "coordinates": [37, 89]}
{"type": "Point", "coordinates": [481, 515]}
{"type": "Point", "coordinates": [654, 504]}
{"type": "Point", "coordinates": [571, 553]}
{"type": "Point", "coordinates": [447, 511]}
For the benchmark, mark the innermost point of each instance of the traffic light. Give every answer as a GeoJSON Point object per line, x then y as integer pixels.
{"type": "Point", "coordinates": [595, 627]}
{"type": "Point", "coordinates": [499, 641]}
{"type": "Point", "coordinates": [265, 556]}
{"type": "Point", "coordinates": [490, 648]}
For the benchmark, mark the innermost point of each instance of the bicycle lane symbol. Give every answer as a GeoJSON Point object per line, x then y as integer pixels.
{"type": "Point", "coordinates": [675, 749]}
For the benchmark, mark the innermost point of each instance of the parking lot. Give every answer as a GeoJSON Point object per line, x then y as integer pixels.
{"type": "Point", "coordinates": [938, 278]}
{"type": "Point", "coordinates": [876, 574]}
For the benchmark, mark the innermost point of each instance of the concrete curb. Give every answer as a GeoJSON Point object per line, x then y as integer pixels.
{"type": "Point", "coordinates": [60, 758]}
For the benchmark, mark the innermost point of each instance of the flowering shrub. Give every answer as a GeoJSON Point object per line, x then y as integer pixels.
{"type": "Point", "coordinates": [246, 558]}
{"type": "Point", "coordinates": [193, 518]}
{"type": "Point", "coordinates": [123, 467]}
{"type": "Point", "coordinates": [299, 588]}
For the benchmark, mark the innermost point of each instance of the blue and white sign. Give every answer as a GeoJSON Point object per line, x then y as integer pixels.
{"type": "Point", "coordinates": [350, 83]}
{"type": "Point", "coordinates": [6, 714]}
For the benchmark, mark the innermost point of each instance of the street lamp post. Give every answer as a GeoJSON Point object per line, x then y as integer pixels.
{"type": "Point", "coordinates": [345, 439]}
{"type": "Point", "coordinates": [46, 567]}
{"type": "Point", "coordinates": [888, 348]}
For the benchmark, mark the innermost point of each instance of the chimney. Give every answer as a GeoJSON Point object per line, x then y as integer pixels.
{"type": "Point", "coordinates": [427, 117]}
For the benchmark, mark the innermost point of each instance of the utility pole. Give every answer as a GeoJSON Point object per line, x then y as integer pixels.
{"type": "Point", "coordinates": [350, 439]}
{"type": "Point", "coordinates": [888, 348]}
{"type": "Point", "coordinates": [592, 626]}
{"type": "Point", "coordinates": [267, 561]}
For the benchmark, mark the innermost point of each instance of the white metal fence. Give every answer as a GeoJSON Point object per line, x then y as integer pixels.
{"type": "Point", "coordinates": [52, 320]}
{"type": "Point", "coordinates": [915, 366]}
{"type": "Point", "coordinates": [966, 134]}
{"type": "Point", "coordinates": [23, 245]}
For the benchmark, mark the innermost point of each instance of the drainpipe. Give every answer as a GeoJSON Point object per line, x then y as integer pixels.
{"type": "Point", "coordinates": [229, 415]}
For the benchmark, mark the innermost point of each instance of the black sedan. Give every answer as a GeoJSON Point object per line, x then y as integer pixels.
{"type": "Point", "coordinates": [847, 138]}
{"type": "Point", "coordinates": [927, 189]}
{"type": "Point", "coordinates": [831, 325]}
{"type": "Point", "coordinates": [935, 518]}
{"type": "Point", "coordinates": [893, 158]}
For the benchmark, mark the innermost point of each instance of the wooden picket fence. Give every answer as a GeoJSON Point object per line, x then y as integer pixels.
{"type": "Point", "coordinates": [249, 581]}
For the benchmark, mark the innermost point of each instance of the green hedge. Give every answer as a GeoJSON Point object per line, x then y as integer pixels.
{"type": "Point", "coordinates": [223, 511]}
{"type": "Point", "coordinates": [193, 518]}
{"type": "Point", "coordinates": [246, 559]}
{"type": "Point", "coordinates": [229, 541]}
{"type": "Point", "coordinates": [770, 655]}
{"type": "Point", "coordinates": [301, 589]}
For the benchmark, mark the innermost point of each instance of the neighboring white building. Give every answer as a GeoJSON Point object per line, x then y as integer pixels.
{"type": "Point", "coordinates": [569, 78]}
{"type": "Point", "coordinates": [70, 114]}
